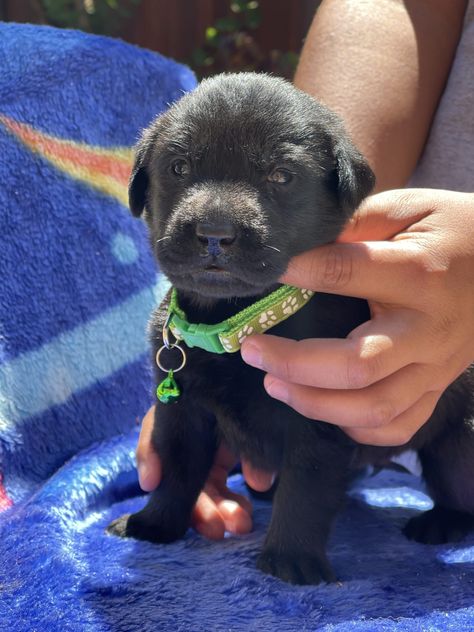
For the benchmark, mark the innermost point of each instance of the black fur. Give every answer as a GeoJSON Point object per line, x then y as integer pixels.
{"type": "Point", "coordinates": [223, 233]}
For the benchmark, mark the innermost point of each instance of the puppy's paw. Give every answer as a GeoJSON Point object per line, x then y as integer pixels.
{"type": "Point", "coordinates": [439, 526]}
{"type": "Point", "coordinates": [297, 568]}
{"type": "Point", "coordinates": [147, 525]}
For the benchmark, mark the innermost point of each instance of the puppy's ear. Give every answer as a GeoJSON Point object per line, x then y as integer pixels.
{"type": "Point", "coordinates": [354, 178]}
{"type": "Point", "coordinates": [137, 189]}
{"type": "Point", "coordinates": [138, 183]}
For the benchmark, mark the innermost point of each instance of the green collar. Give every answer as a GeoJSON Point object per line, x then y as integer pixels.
{"type": "Point", "coordinates": [227, 336]}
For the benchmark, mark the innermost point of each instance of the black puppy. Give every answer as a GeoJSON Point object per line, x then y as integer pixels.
{"type": "Point", "coordinates": [235, 179]}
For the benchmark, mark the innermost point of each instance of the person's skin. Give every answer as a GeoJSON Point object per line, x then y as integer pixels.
{"type": "Point", "coordinates": [382, 65]}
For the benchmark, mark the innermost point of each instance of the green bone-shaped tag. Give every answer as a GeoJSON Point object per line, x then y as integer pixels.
{"type": "Point", "coordinates": [168, 390]}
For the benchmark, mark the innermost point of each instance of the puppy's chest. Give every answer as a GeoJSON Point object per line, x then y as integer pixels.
{"type": "Point", "coordinates": [251, 423]}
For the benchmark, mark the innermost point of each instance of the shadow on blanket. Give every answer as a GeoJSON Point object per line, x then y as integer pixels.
{"type": "Point", "coordinates": [78, 284]}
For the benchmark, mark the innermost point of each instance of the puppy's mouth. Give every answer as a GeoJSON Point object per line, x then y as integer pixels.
{"type": "Point", "coordinates": [215, 269]}
{"type": "Point", "coordinates": [214, 274]}
{"type": "Point", "coordinates": [220, 280]}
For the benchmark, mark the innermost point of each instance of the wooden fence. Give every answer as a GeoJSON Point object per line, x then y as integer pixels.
{"type": "Point", "coordinates": [177, 27]}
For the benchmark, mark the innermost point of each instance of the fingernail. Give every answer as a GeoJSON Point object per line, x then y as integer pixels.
{"type": "Point", "coordinates": [252, 355]}
{"type": "Point", "coordinates": [277, 389]}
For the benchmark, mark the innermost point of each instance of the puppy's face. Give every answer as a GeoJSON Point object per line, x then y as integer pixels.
{"type": "Point", "coordinates": [238, 177]}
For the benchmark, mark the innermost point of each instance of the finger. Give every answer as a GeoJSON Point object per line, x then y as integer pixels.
{"type": "Point", "coordinates": [148, 461]}
{"type": "Point", "coordinates": [402, 429]}
{"type": "Point", "coordinates": [259, 480]}
{"type": "Point", "coordinates": [206, 518]}
{"type": "Point", "coordinates": [386, 214]}
{"type": "Point", "coordinates": [372, 352]}
{"type": "Point", "coordinates": [218, 510]}
{"type": "Point", "coordinates": [374, 270]}
{"type": "Point", "coordinates": [373, 407]}
{"type": "Point", "coordinates": [236, 511]}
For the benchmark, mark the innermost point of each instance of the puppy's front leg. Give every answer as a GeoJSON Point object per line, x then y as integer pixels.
{"type": "Point", "coordinates": [309, 494]}
{"type": "Point", "coordinates": [185, 439]}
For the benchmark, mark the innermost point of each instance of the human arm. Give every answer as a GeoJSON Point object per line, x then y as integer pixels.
{"type": "Point", "coordinates": [382, 66]}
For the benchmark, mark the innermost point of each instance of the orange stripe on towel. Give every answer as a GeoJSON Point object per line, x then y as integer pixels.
{"type": "Point", "coordinates": [105, 169]}
{"type": "Point", "coordinates": [5, 501]}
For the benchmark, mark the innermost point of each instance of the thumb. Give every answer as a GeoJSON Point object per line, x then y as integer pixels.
{"type": "Point", "coordinates": [259, 480]}
{"type": "Point", "coordinates": [148, 462]}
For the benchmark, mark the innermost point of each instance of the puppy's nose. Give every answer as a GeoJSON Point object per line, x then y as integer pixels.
{"type": "Point", "coordinates": [222, 233]}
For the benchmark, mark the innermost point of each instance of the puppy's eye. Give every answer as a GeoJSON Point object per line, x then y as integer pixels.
{"type": "Point", "coordinates": [280, 176]}
{"type": "Point", "coordinates": [180, 168]}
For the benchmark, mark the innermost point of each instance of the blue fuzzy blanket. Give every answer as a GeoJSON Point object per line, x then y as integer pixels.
{"type": "Point", "coordinates": [77, 286]}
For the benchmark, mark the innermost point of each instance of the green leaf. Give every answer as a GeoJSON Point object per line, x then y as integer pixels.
{"type": "Point", "coordinates": [211, 34]}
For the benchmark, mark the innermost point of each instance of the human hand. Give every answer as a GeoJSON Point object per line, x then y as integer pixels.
{"type": "Point", "coordinates": [217, 509]}
{"type": "Point", "coordinates": [383, 381]}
